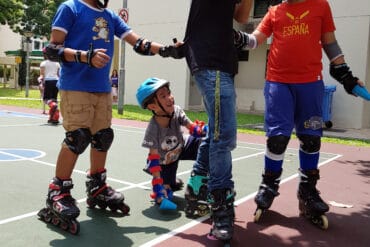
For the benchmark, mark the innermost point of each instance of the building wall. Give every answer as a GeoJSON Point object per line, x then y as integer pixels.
{"type": "Point", "coordinates": [353, 32]}
{"type": "Point", "coordinates": [9, 40]}
{"type": "Point", "coordinates": [157, 21]}
{"type": "Point", "coordinates": [163, 20]}
{"type": "Point", "coordinates": [353, 27]}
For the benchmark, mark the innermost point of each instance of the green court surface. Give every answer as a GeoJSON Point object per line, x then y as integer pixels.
{"type": "Point", "coordinates": [28, 151]}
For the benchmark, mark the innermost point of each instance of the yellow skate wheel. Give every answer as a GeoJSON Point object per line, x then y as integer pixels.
{"type": "Point", "coordinates": [257, 215]}
{"type": "Point", "coordinates": [324, 222]}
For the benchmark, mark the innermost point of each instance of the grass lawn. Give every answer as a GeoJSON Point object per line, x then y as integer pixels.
{"type": "Point", "coordinates": [16, 97]}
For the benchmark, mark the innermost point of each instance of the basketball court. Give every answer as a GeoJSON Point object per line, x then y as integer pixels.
{"type": "Point", "coordinates": [28, 152]}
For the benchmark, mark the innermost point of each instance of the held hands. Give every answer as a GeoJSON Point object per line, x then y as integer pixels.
{"type": "Point", "coordinates": [176, 51]}
{"type": "Point", "coordinates": [240, 39]}
{"type": "Point", "coordinates": [198, 129]}
{"type": "Point", "coordinates": [244, 40]}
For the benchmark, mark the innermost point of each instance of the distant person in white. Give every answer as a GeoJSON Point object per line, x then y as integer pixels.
{"type": "Point", "coordinates": [49, 76]}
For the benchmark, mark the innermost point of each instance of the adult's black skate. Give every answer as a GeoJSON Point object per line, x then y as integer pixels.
{"type": "Point", "coordinates": [222, 215]}
{"type": "Point", "coordinates": [61, 209]}
{"type": "Point", "coordinates": [311, 204]}
{"type": "Point", "coordinates": [267, 191]}
{"type": "Point", "coordinates": [196, 196]}
{"type": "Point", "coordinates": [101, 194]}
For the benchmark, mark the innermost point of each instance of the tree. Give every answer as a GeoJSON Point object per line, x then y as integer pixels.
{"type": "Point", "coordinates": [10, 11]}
{"type": "Point", "coordinates": [35, 16]}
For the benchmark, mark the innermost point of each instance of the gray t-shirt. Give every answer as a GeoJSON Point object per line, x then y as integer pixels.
{"type": "Point", "coordinates": [168, 141]}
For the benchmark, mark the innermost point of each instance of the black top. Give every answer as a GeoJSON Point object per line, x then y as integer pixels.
{"type": "Point", "coordinates": [209, 38]}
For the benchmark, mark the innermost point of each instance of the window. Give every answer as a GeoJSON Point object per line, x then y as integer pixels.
{"type": "Point", "coordinates": [37, 45]}
{"type": "Point", "coordinates": [261, 7]}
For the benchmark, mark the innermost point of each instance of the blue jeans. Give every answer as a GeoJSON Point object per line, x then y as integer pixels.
{"type": "Point", "coordinates": [214, 153]}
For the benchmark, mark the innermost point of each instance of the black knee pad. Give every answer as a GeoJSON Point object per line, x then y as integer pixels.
{"type": "Point", "coordinates": [102, 140]}
{"type": "Point", "coordinates": [78, 140]}
{"type": "Point", "coordinates": [310, 143]}
{"type": "Point", "coordinates": [277, 144]}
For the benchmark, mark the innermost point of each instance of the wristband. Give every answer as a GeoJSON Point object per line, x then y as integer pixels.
{"type": "Point", "coordinates": [78, 57]}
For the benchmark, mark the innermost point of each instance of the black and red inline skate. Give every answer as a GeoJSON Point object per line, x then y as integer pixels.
{"type": "Point", "coordinates": [102, 195]}
{"type": "Point", "coordinates": [61, 209]}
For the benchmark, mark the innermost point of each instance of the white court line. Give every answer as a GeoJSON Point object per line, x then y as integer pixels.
{"type": "Point", "coordinates": [142, 185]}
{"type": "Point", "coordinates": [131, 186]}
{"type": "Point", "coordinates": [200, 220]}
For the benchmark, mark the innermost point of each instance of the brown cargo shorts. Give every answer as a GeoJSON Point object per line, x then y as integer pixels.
{"type": "Point", "coordinates": [86, 110]}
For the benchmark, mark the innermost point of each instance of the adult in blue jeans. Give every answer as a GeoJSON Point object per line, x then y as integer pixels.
{"type": "Point", "coordinates": [212, 58]}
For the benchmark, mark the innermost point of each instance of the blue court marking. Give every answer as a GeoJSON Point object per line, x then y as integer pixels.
{"type": "Point", "coordinates": [19, 114]}
{"type": "Point", "coordinates": [17, 154]}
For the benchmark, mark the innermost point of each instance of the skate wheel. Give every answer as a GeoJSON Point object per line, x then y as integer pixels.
{"type": "Point", "coordinates": [227, 245]}
{"type": "Point", "coordinates": [324, 223]}
{"type": "Point", "coordinates": [64, 226]}
{"type": "Point", "coordinates": [74, 227]}
{"type": "Point", "coordinates": [211, 237]}
{"type": "Point", "coordinates": [55, 221]}
{"type": "Point", "coordinates": [202, 213]}
{"type": "Point", "coordinates": [113, 208]}
{"type": "Point", "coordinates": [125, 209]}
{"type": "Point", "coordinates": [102, 205]}
{"type": "Point", "coordinates": [189, 212]}
{"type": "Point", "coordinates": [47, 218]}
{"type": "Point", "coordinates": [257, 215]}
{"type": "Point", "coordinates": [90, 203]}
{"type": "Point", "coordinates": [202, 210]}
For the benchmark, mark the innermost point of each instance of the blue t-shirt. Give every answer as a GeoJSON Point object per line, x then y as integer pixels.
{"type": "Point", "coordinates": [85, 25]}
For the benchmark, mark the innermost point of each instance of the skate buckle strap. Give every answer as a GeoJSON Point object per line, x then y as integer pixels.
{"type": "Point", "coordinates": [268, 188]}
{"type": "Point", "coordinates": [99, 190]}
{"type": "Point", "coordinates": [156, 181]}
{"type": "Point", "coordinates": [53, 186]}
{"type": "Point", "coordinates": [61, 196]}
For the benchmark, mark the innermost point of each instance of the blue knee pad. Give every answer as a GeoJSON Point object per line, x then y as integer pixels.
{"type": "Point", "coordinates": [78, 140]}
{"type": "Point", "coordinates": [102, 140]}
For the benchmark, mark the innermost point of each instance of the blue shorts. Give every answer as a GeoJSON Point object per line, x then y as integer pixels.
{"type": "Point", "coordinates": [289, 106]}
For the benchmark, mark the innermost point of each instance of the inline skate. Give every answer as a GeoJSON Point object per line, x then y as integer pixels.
{"type": "Point", "coordinates": [178, 185]}
{"type": "Point", "coordinates": [61, 209]}
{"type": "Point", "coordinates": [267, 191]}
{"type": "Point", "coordinates": [101, 194]}
{"type": "Point", "coordinates": [53, 112]}
{"type": "Point", "coordinates": [222, 215]}
{"type": "Point", "coordinates": [196, 196]}
{"type": "Point", "coordinates": [311, 204]}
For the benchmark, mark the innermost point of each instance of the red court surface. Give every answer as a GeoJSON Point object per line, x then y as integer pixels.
{"type": "Point", "coordinates": [345, 181]}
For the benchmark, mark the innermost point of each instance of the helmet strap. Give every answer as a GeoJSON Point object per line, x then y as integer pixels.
{"type": "Point", "coordinates": [167, 115]}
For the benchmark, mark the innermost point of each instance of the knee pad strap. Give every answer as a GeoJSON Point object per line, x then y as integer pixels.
{"type": "Point", "coordinates": [102, 140]}
{"type": "Point", "coordinates": [78, 140]}
{"type": "Point", "coordinates": [277, 144]}
{"type": "Point", "coordinates": [310, 143]}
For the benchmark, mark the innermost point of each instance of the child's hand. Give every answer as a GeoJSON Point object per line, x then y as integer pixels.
{"type": "Point", "coordinates": [198, 129]}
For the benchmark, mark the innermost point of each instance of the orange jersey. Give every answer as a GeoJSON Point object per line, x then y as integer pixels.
{"type": "Point", "coordinates": [296, 52]}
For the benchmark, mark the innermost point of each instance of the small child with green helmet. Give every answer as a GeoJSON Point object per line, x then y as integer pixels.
{"type": "Point", "coordinates": [165, 139]}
